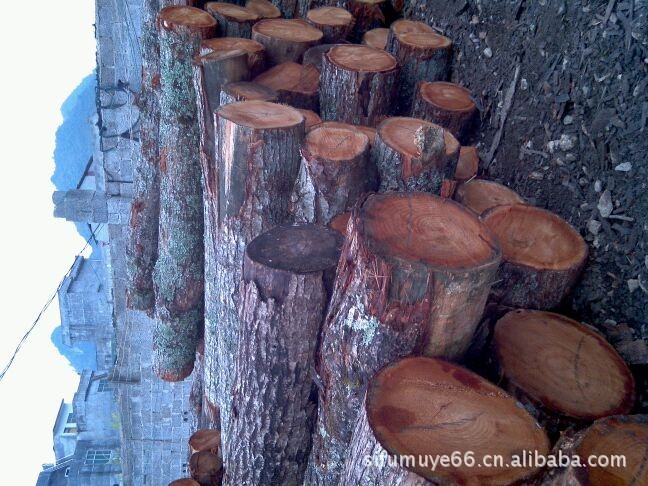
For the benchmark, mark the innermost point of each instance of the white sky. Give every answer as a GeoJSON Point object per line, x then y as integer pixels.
{"type": "Point", "coordinates": [45, 51]}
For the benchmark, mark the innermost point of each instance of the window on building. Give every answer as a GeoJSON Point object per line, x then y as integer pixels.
{"type": "Point", "coordinates": [96, 457]}
{"type": "Point", "coordinates": [104, 385]}
{"type": "Point", "coordinates": [70, 430]}
{"type": "Point", "coordinates": [71, 418]}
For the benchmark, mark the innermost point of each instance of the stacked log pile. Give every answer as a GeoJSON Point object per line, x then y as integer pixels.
{"type": "Point", "coordinates": [342, 286]}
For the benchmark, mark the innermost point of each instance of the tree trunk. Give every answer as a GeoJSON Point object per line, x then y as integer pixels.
{"type": "Point", "coordinates": [206, 468]}
{"type": "Point", "coordinates": [246, 91]}
{"type": "Point", "coordinates": [254, 50]}
{"type": "Point", "coordinates": [205, 440]}
{"type": "Point", "coordinates": [422, 408]}
{"type": "Point", "coordinates": [257, 151]}
{"type": "Point", "coordinates": [376, 38]}
{"type": "Point", "coordinates": [283, 300]}
{"type": "Point", "coordinates": [414, 155]}
{"type": "Point", "coordinates": [264, 9]}
{"type": "Point", "coordinates": [608, 438]}
{"type": "Point", "coordinates": [561, 367]}
{"type": "Point", "coordinates": [448, 105]}
{"type": "Point", "coordinates": [414, 276]}
{"type": "Point", "coordinates": [480, 195]}
{"type": "Point", "coordinates": [233, 20]}
{"type": "Point", "coordinates": [542, 256]}
{"type": "Point", "coordinates": [467, 165]}
{"type": "Point", "coordinates": [285, 40]}
{"type": "Point", "coordinates": [178, 274]}
{"type": "Point", "coordinates": [422, 56]}
{"type": "Point", "coordinates": [297, 85]}
{"type": "Point", "coordinates": [368, 14]}
{"type": "Point", "coordinates": [334, 22]}
{"type": "Point", "coordinates": [334, 173]}
{"type": "Point", "coordinates": [358, 84]}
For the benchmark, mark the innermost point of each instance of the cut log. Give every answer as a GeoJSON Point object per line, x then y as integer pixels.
{"type": "Point", "coordinates": [340, 223]}
{"type": "Point", "coordinates": [205, 440]}
{"type": "Point", "coordinates": [206, 468]}
{"type": "Point", "coordinates": [370, 132]}
{"type": "Point", "coordinates": [263, 8]}
{"type": "Point", "coordinates": [542, 256]}
{"type": "Point", "coordinates": [197, 391]}
{"type": "Point", "coordinates": [141, 248]}
{"type": "Point", "coordinates": [607, 441]}
{"type": "Point", "coordinates": [481, 195]}
{"type": "Point", "coordinates": [358, 84]}
{"type": "Point", "coordinates": [184, 482]}
{"type": "Point", "coordinates": [368, 14]}
{"type": "Point", "coordinates": [562, 366]}
{"type": "Point", "coordinates": [311, 119]}
{"type": "Point", "coordinates": [422, 56]}
{"type": "Point", "coordinates": [334, 173]}
{"type": "Point", "coordinates": [233, 20]}
{"type": "Point", "coordinates": [246, 91]}
{"type": "Point", "coordinates": [414, 276]}
{"type": "Point", "coordinates": [315, 54]}
{"type": "Point", "coordinates": [467, 165]}
{"type": "Point", "coordinates": [422, 408]}
{"type": "Point", "coordinates": [285, 40]}
{"type": "Point", "coordinates": [179, 271]}
{"type": "Point", "coordinates": [257, 148]}
{"type": "Point", "coordinates": [284, 296]}
{"type": "Point", "coordinates": [254, 50]}
{"type": "Point", "coordinates": [448, 105]}
{"type": "Point", "coordinates": [376, 38]}
{"type": "Point", "coordinates": [414, 155]}
{"type": "Point", "coordinates": [334, 22]}
{"type": "Point", "coordinates": [296, 84]}
{"type": "Point", "coordinates": [404, 26]}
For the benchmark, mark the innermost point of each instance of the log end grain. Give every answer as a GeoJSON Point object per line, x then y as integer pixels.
{"type": "Point", "coordinates": [205, 440]}
{"type": "Point", "coordinates": [263, 8]}
{"type": "Point", "coordinates": [297, 84]}
{"type": "Point", "coordinates": [335, 144]}
{"type": "Point", "coordinates": [232, 43]}
{"type": "Point", "coordinates": [563, 365]}
{"type": "Point", "coordinates": [370, 132]}
{"type": "Point", "coordinates": [361, 58]}
{"type": "Point", "coordinates": [467, 164]}
{"type": "Point", "coordinates": [424, 406]}
{"type": "Point", "coordinates": [334, 22]}
{"type": "Point", "coordinates": [194, 19]}
{"type": "Point", "coordinates": [261, 114]}
{"type": "Point", "coordinates": [376, 38]}
{"type": "Point", "coordinates": [481, 195]}
{"type": "Point", "coordinates": [231, 12]}
{"type": "Point", "coordinates": [206, 468]}
{"type": "Point", "coordinates": [405, 26]}
{"type": "Point", "coordinates": [248, 91]}
{"type": "Point", "coordinates": [311, 119]}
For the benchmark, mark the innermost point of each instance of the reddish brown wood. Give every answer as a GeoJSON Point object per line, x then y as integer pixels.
{"type": "Point", "coordinates": [286, 40]}
{"type": "Point", "coordinates": [254, 50]}
{"type": "Point", "coordinates": [246, 91]}
{"type": "Point", "coordinates": [206, 468]}
{"type": "Point", "coordinates": [296, 84]}
{"type": "Point", "coordinates": [263, 8]}
{"type": "Point", "coordinates": [334, 22]}
{"type": "Point", "coordinates": [205, 440]}
{"type": "Point", "coordinates": [233, 20]}
{"type": "Point", "coordinates": [376, 38]}
{"type": "Point", "coordinates": [340, 223]}
{"type": "Point", "coordinates": [311, 119]}
{"type": "Point", "coordinates": [467, 165]}
{"type": "Point", "coordinates": [368, 14]}
{"type": "Point", "coordinates": [481, 195]}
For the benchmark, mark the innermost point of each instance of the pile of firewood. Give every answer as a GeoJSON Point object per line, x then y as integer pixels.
{"type": "Point", "coordinates": [295, 236]}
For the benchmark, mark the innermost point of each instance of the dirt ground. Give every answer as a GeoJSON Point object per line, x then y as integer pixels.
{"type": "Point", "coordinates": [575, 138]}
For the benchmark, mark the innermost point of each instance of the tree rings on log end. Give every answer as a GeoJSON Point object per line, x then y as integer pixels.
{"type": "Point", "coordinates": [425, 407]}
{"type": "Point", "coordinates": [404, 26]}
{"type": "Point", "coordinates": [232, 12]}
{"type": "Point", "coordinates": [563, 365]}
{"type": "Point", "coordinates": [297, 84]}
{"type": "Point", "coordinates": [291, 30]}
{"type": "Point", "coordinates": [370, 132]}
{"type": "Point", "coordinates": [447, 96]}
{"type": "Point", "coordinates": [481, 195]}
{"type": "Point", "coordinates": [263, 8]}
{"type": "Point", "coordinates": [231, 43]}
{"type": "Point", "coordinates": [400, 134]}
{"type": "Point", "coordinates": [205, 440]}
{"type": "Point", "coordinates": [429, 229]}
{"type": "Point", "coordinates": [261, 114]}
{"type": "Point", "coordinates": [334, 22]}
{"type": "Point", "coordinates": [248, 91]}
{"type": "Point", "coordinates": [467, 164]}
{"type": "Point", "coordinates": [206, 468]}
{"type": "Point", "coordinates": [361, 59]}
{"type": "Point", "coordinates": [376, 38]}
{"type": "Point", "coordinates": [191, 18]}
{"type": "Point", "coordinates": [335, 144]}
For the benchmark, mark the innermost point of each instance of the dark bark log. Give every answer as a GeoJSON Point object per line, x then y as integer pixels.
{"type": "Point", "coordinates": [448, 105]}
{"type": "Point", "coordinates": [285, 40]}
{"type": "Point", "coordinates": [368, 14]}
{"type": "Point", "coordinates": [334, 22]}
{"type": "Point", "coordinates": [257, 151]}
{"type": "Point", "coordinates": [246, 91]}
{"type": "Point", "coordinates": [376, 38]}
{"type": "Point", "coordinates": [205, 440]}
{"type": "Point", "coordinates": [297, 85]}
{"type": "Point", "coordinates": [233, 20]}
{"type": "Point", "coordinates": [264, 9]}
{"type": "Point", "coordinates": [283, 300]}
{"type": "Point", "coordinates": [542, 256]}
{"type": "Point", "coordinates": [467, 165]}
{"type": "Point", "coordinates": [178, 275]}
{"type": "Point", "coordinates": [254, 50]}
{"type": "Point", "coordinates": [422, 56]}
{"type": "Point", "coordinates": [206, 468]}
{"type": "Point", "coordinates": [197, 389]}
{"type": "Point", "coordinates": [480, 195]}
{"type": "Point", "coordinates": [419, 408]}
{"type": "Point", "coordinates": [561, 366]}
{"type": "Point", "coordinates": [358, 84]}
{"type": "Point", "coordinates": [334, 173]}
{"type": "Point", "coordinates": [414, 276]}
{"type": "Point", "coordinates": [414, 155]}
{"type": "Point", "coordinates": [608, 438]}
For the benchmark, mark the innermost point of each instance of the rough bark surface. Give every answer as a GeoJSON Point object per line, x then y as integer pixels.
{"type": "Point", "coordinates": [257, 168]}
{"type": "Point", "coordinates": [281, 314]}
{"type": "Point", "coordinates": [233, 20]}
{"type": "Point", "coordinates": [353, 95]}
{"type": "Point", "coordinates": [368, 14]}
{"type": "Point", "coordinates": [383, 308]}
{"type": "Point", "coordinates": [330, 182]}
{"type": "Point", "coordinates": [179, 271]}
